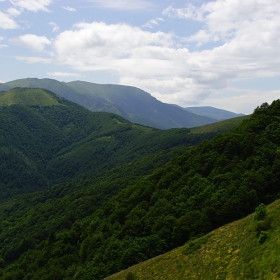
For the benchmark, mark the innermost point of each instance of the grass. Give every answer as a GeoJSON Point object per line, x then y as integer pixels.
{"type": "Point", "coordinates": [221, 126]}
{"type": "Point", "coordinates": [27, 97]}
{"type": "Point", "coordinates": [230, 252]}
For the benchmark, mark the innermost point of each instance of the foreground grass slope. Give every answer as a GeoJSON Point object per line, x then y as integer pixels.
{"type": "Point", "coordinates": [230, 252]}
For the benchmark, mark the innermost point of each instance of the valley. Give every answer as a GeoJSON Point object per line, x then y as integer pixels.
{"type": "Point", "coordinates": [86, 194]}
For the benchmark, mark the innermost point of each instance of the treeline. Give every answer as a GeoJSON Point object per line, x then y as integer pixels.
{"type": "Point", "coordinates": [212, 184]}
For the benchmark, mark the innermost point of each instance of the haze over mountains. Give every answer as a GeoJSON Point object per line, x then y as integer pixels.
{"type": "Point", "coordinates": [130, 103]}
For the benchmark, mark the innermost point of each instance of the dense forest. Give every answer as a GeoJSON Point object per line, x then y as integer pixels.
{"type": "Point", "coordinates": [41, 145]}
{"type": "Point", "coordinates": [119, 193]}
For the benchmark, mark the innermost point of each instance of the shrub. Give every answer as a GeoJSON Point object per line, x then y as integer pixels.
{"type": "Point", "coordinates": [263, 225]}
{"type": "Point", "coordinates": [260, 213]}
{"type": "Point", "coordinates": [263, 237]}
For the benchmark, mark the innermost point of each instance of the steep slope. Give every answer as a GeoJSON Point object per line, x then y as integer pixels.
{"type": "Point", "coordinates": [55, 86]}
{"type": "Point", "coordinates": [212, 112]}
{"type": "Point", "coordinates": [230, 252]}
{"type": "Point", "coordinates": [131, 103]}
{"type": "Point", "coordinates": [221, 126]}
{"type": "Point", "coordinates": [210, 185]}
{"type": "Point", "coordinates": [46, 139]}
{"type": "Point", "coordinates": [28, 97]}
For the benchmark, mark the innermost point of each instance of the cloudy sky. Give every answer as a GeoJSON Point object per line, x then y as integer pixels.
{"type": "Point", "coordinates": [222, 53]}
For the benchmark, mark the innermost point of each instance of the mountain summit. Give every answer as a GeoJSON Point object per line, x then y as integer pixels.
{"type": "Point", "coordinates": [129, 102]}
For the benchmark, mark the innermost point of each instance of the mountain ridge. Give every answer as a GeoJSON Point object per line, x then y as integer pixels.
{"type": "Point", "coordinates": [129, 102]}
{"type": "Point", "coordinates": [49, 133]}
{"type": "Point", "coordinates": [212, 112]}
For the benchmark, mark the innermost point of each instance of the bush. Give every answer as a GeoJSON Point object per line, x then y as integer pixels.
{"type": "Point", "coordinates": [263, 237]}
{"type": "Point", "coordinates": [263, 225]}
{"type": "Point", "coordinates": [260, 213]}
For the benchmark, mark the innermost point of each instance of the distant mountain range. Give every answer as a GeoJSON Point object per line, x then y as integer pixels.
{"type": "Point", "coordinates": [211, 112]}
{"type": "Point", "coordinates": [129, 102]}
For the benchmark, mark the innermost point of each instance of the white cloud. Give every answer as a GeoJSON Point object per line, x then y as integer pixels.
{"type": "Point", "coordinates": [123, 4]}
{"type": "Point", "coordinates": [70, 9]}
{"type": "Point", "coordinates": [31, 41]}
{"type": "Point", "coordinates": [190, 12]}
{"type": "Point", "coordinates": [243, 101]}
{"type": "Point", "coordinates": [54, 26]}
{"type": "Point", "coordinates": [151, 23]}
{"type": "Point", "coordinates": [33, 59]}
{"type": "Point", "coordinates": [13, 12]}
{"type": "Point", "coordinates": [99, 46]}
{"type": "Point", "coordinates": [32, 5]}
{"type": "Point", "coordinates": [224, 18]}
{"type": "Point", "coordinates": [248, 47]}
{"type": "Point", "coordinates": [63, 74]}
{"type": "Point", "coordinates": [6, 22]}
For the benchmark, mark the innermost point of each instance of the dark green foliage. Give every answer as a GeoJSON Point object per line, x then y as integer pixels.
{"type": "Point", "coordinates": [263, 236]}
{"type": "Point", "coordinates": [121, 217]}
{"type": "Point", "coordinates": [45, 145]}
{"type": "Point", "coordinates": [262, 222]}
{"type": "Point", "coordinates": [260, 213]}
{"type": "Point", "coordinates": [263, 225]}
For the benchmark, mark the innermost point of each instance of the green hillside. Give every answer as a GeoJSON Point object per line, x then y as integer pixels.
{"type": "Point", "coordinates": [27, 97]}
{"type": "Point", "coordinates": [221, 126]}
{"type": "Point", "coordinates": [131, 103]}
{"type": "Point", "coordinates": [43, 144]}
{"type": "Point", "coordinates": [96, 226]}
{"type": "Point", "coordinates": [233, 251]}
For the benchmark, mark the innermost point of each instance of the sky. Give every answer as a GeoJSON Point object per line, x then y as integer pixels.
{"type": "Point", "coordinates": [220, 53]}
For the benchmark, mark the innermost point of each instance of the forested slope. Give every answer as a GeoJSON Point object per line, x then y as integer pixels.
{"type": "Point", "coordinates": [214, 183]}
{"type": "Point", "coordinates": [46, 139]}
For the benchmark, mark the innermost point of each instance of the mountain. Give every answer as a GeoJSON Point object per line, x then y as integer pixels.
{"type": "Point", "coordinates": [212, 112]}
{"type": "Point", "coordinates": [129, 102]}
{"type": "Point", "coordinates": [136, 209]}
{"type": "Point", "coordinates": [234, 251]}
{"type": "Point", "coordinates": [46, 139]}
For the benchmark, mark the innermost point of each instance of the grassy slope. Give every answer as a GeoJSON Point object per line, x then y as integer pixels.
{"type": "Point", "coordinates": [230, 252]}
{"type": "Point", "coordinates": [27, 97]}
{"type": "Point", "coordinates": [221, 126]}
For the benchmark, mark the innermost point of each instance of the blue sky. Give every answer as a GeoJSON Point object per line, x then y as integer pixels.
{"type": "Point", "coordinates": [223, 53]}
